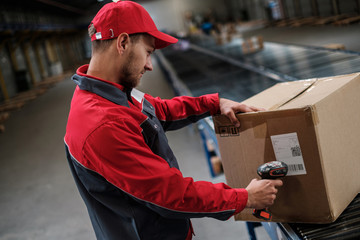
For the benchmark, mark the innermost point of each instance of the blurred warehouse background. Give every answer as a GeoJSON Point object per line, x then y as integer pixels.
{"type": "Point", "coordinates": [235, 47]}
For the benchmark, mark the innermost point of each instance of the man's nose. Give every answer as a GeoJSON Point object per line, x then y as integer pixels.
{"type": "Point", "coordinates": [148, 65]}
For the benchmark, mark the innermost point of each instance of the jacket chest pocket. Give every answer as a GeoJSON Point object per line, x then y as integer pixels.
{"type": "Point", "coordinates": [151, 130]}
{"type": "Point", "coordinates": [151, 127]}
{"type": "Point", "coordinates": [155, 138]}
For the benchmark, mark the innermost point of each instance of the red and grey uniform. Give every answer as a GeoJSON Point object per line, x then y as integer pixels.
{"type": "Point", "coordinates": [125, 170]}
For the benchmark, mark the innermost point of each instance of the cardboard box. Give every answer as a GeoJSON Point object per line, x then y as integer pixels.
{"type": "Point", "coordinates": [312, 125]}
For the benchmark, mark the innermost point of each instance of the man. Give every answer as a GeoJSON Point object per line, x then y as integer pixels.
{"type": "Point", "coordinates": [116, 146]}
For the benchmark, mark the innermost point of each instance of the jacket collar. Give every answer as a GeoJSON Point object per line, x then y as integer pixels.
{"type": "Point", "coordinates": [108, 90]}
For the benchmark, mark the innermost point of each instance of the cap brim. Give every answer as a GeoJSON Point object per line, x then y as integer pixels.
{"type": "Point", "coordinates": [162, 39]}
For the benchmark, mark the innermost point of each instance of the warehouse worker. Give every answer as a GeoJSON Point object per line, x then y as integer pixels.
{"type": "Point", "coordinates": [116, 146]}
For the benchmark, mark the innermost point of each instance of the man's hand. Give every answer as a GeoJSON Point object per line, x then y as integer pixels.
{"type": "Point", "coordinates": [262, 193]}
{"type": "Point", "coordinates": [230, 108]}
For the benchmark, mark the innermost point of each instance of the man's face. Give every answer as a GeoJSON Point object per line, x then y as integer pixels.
{"type": "Point", "coordinates": [138, 61]}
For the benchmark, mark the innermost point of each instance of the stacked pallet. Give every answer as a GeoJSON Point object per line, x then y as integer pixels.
{"type": "Point", "coordinates": [338, 20]}
{"type": "Point", "coordinates": [347, 21]}
{"type": "Point", "coordinates": [22, 98]}
{"type": "Point", "coordinates": [330, 20]}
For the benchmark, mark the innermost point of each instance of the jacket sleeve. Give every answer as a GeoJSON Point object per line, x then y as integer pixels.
{"type": "Point", "coordinates": [180, 111]}
{"type": "Point", "coordinates": [124, 160]}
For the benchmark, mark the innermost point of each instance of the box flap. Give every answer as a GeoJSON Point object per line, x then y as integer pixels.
{"type": "Point", "coordinates": [279, 94]}
{"type": "Point", "coordinates": [298, 94]}
{"type": "Point", "coordinates": [319, 90]}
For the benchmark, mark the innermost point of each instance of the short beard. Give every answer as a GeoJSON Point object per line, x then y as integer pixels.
{"type": "Point", "coordinates": [128, 80]}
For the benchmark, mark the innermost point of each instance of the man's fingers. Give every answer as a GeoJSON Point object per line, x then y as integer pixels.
{"type": "Point", "coordinates": [277, 183]}
{"type": "Point", "coordinates": [256, 109]}
{"type": "Point", "coordinates": [231, 115]}
{"type": "Point", "coordinates": [243, 108]}
{"type": "Point", "coordinates": [230, 108]}
{"type": "Point", "coordinates": [262, 193]}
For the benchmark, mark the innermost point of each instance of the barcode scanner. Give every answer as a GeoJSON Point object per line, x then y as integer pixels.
{"type": "Point", "coordinates": [270, 170]}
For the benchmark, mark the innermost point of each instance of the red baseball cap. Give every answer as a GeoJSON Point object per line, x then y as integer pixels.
{"type": "Point", "coordinates": [126, 16]}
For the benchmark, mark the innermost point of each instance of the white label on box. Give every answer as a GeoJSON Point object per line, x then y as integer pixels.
{"type": "Point", "coordinates": [287, 149]}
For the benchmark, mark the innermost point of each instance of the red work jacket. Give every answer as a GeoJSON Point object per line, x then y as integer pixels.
{"type": "Point", "coordinates": [125, 170]}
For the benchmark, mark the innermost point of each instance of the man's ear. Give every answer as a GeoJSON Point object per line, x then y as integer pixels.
{"type": "Point", "coordinates": [122, 42]}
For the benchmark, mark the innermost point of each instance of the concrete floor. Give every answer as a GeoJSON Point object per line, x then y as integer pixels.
{"type": "Point", "coordinates": [38, 197]}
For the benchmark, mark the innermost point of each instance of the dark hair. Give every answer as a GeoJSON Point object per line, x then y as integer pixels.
{"type": "Point", "coordinates": [102, 45]}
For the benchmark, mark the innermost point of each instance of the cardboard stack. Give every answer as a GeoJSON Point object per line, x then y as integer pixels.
{"type": "Point", "coordinates": [313, 126]}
